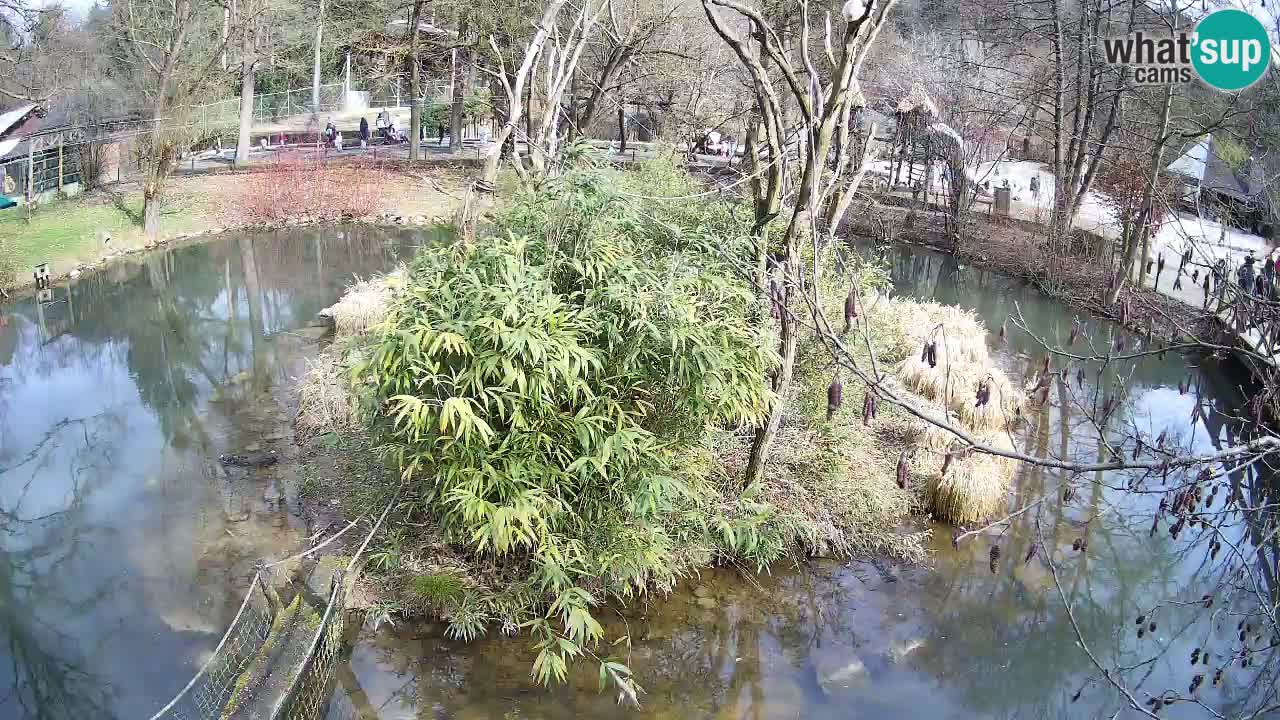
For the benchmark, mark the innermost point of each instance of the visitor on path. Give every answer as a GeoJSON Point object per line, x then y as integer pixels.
{"type": "Point", "coordinates": [1245, 273]}
{"type": "Point", "coordinates": [330, 133]}
{"type": "Point", "coordinates": [1034, 186]}
{"type": "Point", "coordinates": [1220, 279]}
{"type": "Point", "coordinates": [364, 131]}
{"type": "Point", "coordinates": [384, 124]}
{"type": "Point", "coordinates": [1268, 278]}
{"type": "Point", "coordinates": [1159, 260]}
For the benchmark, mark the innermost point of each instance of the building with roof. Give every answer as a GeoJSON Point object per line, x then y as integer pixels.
{"type": "Point", "coordinates": [15, 125]}
{"type": "Point", "coordinates": [1214, 185]}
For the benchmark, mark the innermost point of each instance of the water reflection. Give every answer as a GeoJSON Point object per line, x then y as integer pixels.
{"type": "Point", "coordinates": [840, 640]}
{"type": "Point", "coordinates": [125, 545]}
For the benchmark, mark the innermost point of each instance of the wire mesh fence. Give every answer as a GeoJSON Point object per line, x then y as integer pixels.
{"type": "Point", "coordinates": [50, 169]}
{"type": "Point", "coordinates": [268, 107]}
{"type": "Point", "coordinates": [208, 692]}
{"type": "Point", "coordinates": [308, 695]}
{"type": "Point", "coordinates": [208, 695]}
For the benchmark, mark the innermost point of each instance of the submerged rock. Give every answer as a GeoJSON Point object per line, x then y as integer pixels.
{"type": "Point", "coordinates": [900, 649]}
{"type": "Point", "coordinates": [708, 603]}
{"type": "Point", "coordinates": [840, 671]}
{"type": "Point", "coordinates": [249, 460]}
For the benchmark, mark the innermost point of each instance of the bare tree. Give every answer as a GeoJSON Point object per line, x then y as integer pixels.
{"type": "Point", "coordinates": [826, 101]}
{"type": "Point", "coordinates": [175, 47]}
{"type": "Point", "coordinates": [560, 48]}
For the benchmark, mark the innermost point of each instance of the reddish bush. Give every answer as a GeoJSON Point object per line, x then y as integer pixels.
{"type": "Point", "coordinates": [1125, 178]}
{"type": "Point", "coordinates": [304, 186]}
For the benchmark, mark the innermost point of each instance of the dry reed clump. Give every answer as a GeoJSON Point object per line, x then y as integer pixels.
{"type": "Point", "coordinates": [325, 401]}
{"type": "Point", "coordinates": [831, 484]}
{"type": "Point", "coordinates": [365, 304]}
{"type": "Point", "coordinates": [1001, 409]}
{"type": "Point", "coordinates": [962, 335]}
{"type": "Point", "coordinates": [956, 386]}
{"type": "Point", "coordinates": [962, 364]}
{"type": "Point", "coordinates": [975, 485]}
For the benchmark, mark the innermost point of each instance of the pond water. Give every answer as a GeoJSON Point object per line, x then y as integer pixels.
{"type": "Point", "coordinates": [865, 639]}
{"type": "Point", "coordinates": [124, 545]}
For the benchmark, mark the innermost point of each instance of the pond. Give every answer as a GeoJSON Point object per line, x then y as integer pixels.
{"type": "Point", "coordinates": [127, 545]}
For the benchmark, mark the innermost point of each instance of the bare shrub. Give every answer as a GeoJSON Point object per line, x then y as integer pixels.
{"type": "Point", "coordinates": [325, 401]}
{"type": "Point", "coordinates": [303, 186]}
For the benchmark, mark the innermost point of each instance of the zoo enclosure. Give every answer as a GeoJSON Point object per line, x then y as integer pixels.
{"type": "Point", "coordinates": [65, 159]}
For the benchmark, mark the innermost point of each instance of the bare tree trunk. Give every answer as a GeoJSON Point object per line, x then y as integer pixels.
{"type": "Point", "coordinates": [315, 65]}
{"type": "Point", "coordinates": [1148, 196]}
{"type": "Point", "coordinates": [155, 168]}
{"type": "Point", "coordinates": [1059, 223]}
{"type": "Point", "coordinates": [248, 70]}
{"type": "Point", "coordinates": [622, 129]}
{"type": "Point", "coordinates": [226, 31]}
{"type": "Point", "coordinates": [244, 140]}
{"type": "Point", "coordinates": [762, 441]}
{"type": "Point", "coordinates": [415, 83]}
{"type": "Point", "coordinates": [458, 107]}
{"type": "Point", "coordinates": [515, 91]}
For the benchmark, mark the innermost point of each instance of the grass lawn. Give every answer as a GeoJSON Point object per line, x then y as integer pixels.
{"type": "Point", "coordinates": [62, 231]}
{"type": "Point", "coordinates": [67, 232]}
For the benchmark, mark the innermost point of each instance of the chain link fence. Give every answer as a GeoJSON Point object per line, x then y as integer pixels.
{"type": "Point", "coordinates": [208, 692]}
{"type": "Point", "coordinates": [269, 107]}
{"type": "Point", "coordinates": [308, 695]}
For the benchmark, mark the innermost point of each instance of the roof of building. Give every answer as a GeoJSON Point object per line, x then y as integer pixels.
{"type": "Point", "coordinates": [13, 123]}
{"type": "Point", "coordinates": [1203, 163]}
{"type": "Point", "coordinates": [11, 117]}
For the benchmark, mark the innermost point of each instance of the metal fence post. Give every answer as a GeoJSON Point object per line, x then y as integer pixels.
{"type": "Point", "coordinates": [31, 176]}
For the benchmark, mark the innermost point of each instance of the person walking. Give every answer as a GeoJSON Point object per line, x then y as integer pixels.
{"type": "Point", "coordinates": [1034, 186]}
{"type": "Point", "coordinates": [1245, 273]}
{"type": "Point", "coordinates": [1159, 261]}
{"type": "Point", "coordinates": [1267, 278]}
{"type": "Point", "coordinates": [364, 131]}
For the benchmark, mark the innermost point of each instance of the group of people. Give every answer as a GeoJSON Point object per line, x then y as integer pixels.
{"type": "Point", "coordinates": [385, 128]}
{"type": "Point", "coordinates": [1259, 282]}
{"type": "Point", "coordinates": [713, 143]}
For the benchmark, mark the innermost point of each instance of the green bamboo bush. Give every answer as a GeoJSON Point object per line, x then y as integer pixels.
{"type": "Point", "coordinates": [549, 392]}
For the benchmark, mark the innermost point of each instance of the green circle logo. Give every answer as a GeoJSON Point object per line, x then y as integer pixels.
{"type": "Point", "coordinates": [1231, 50]}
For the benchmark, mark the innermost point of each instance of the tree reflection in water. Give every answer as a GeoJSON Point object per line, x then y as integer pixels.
{"type": "Point", "coordinates": [48, 677]}
{"type": "Point", "coordinates": [118, 566]}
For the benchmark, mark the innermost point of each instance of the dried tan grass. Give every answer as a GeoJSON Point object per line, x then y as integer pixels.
{"type": "Point", "coordinates": [961, 365]}
{"type": "Point", "coordinates": [364, 304]}
{"type": "Point", "coordinates": [325, 401]}
{"type": "Point", "coordinates": [976, 484]}
{"type": "Point", "coordinates": [999, 413]}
